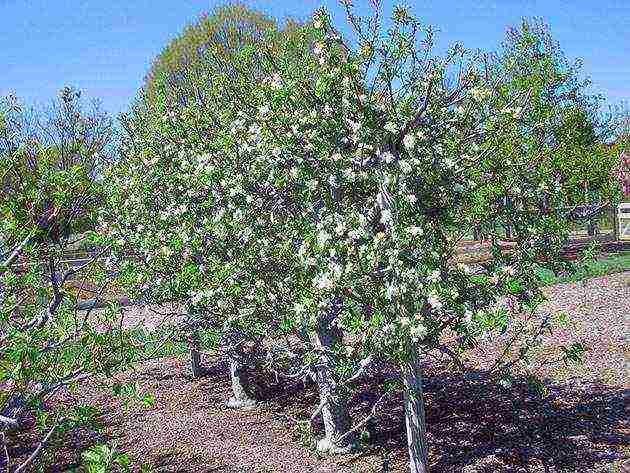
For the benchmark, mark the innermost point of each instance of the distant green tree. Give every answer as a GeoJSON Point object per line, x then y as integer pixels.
{"type": "Point", "coordinates": [67, 137]}
{"type": "Point", "coordinates": [183, 68]}
{"type": "Point", "coordinates": [562, 128]}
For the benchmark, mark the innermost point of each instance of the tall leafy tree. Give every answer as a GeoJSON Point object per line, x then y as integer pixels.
{"type": "Point", "coordinates": [325, 201]}
{"type": "Point", "coordinates": [189, 71]}
{"type": "Point", "coordinates": [182, 70]}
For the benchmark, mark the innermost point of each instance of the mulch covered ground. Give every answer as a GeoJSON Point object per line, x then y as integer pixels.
{"type": "Point", "coordinates": [582, 424]}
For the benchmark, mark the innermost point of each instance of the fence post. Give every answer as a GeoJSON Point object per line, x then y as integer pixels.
{"type": "Point", "coordinates": [615, 212]}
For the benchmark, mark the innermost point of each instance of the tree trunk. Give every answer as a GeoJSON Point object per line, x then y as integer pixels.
{"type": "Point", "coordinates": [195, 355]}
{"type": "Point", "coordinates": [241, 393]}
{"type": "Point", "coordinates": [414, 416]}
{"type": "Point", "coordinates": [240, 386]}
{"type": "Point", "coordinates": [195, 363]}
{"type": "Point", "coordinates": [333, 401]}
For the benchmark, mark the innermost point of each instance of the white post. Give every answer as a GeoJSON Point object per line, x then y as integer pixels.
{"type": "Point", "coordinates": [623, 221]}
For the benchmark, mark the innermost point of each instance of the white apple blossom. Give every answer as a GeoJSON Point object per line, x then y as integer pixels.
{"type": "Point", "coordinates": [418, 332]}
{"type": "Point", "coordinates": [391, 127]}
{"type": "Point", "coordinates": [340, 228]}
{"type": "Point", "coordinates": [324, 282]}
{"type": "Point", "coordinates": [388, 157]}
{"type": "Point", "coordinates": [415, 230]}
{"type": "Point", "coordinates": [386, 216]}
{"type": "Point", "coordinates": [405, 167]}
{"type": "Point", "coordinates": [434, 301]}
{"type": "Point", "coordinates": [409, 141]}
{"type": "Point", "coordinates": [323, 237]}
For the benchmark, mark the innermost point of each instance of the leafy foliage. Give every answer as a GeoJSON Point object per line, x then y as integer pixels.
{"type": "Point", "coordinates": [322, 187]}
{"type": "Point", "coordinates": [49, 191]}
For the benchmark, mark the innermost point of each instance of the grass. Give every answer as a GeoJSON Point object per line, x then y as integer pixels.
{"type": "Point", "coordinates": [612, 263]}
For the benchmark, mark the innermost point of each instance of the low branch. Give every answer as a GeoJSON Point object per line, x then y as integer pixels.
{"type": "Point", "coordinates": [73, 271]}
{"type": "Point", "coordinates": [416, 119]}
{"type": "Point", "coordinates": [17, 250]}
{"type": "Point", "coordinates": [38, 450]}
{"type": "Point", "coordinates": [363, 365]}
{"type": "Point", "coordinates": [369, 417]}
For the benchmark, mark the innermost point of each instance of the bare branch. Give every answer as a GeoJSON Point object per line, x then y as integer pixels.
{"type": "Point", "coordinates": [38, 450]}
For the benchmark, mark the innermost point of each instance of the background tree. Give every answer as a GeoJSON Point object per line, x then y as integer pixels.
{"type": "Point", "coordinates": [67, 137]}
{"type": "Point", "coordinates": [181, 71]}
{"type": "Point", "coordinates": [563, 122]}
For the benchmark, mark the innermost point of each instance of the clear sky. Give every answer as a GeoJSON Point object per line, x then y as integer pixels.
{"type": "Point", "coordinates": [105, 47]}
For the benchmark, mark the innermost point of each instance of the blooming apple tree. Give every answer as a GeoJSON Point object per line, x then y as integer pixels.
{"type": "Point", "coordinates": [364, 166]}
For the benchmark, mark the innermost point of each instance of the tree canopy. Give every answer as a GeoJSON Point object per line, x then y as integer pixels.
{"type": "Point", "coordinates": [324, 203]}
{"type": "Point", "coordinates": [182, 69]}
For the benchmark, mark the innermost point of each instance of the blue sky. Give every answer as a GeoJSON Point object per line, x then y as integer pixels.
{"type": "Point", "coordinates": [105, 47]}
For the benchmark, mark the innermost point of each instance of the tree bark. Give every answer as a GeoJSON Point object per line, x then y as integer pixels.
{"type": "Point", "coordinates": [241, 392]}
{"type": "Point", "coordinates": [241, 397]}
{"type": "Point", "coordinates": [195, 363]}
{"type": "Point", "coordinates": [333, 401]}
{"type": "Point", "coordinates": [415, 416]}
{"type": "Point", "coordinates": [195, 355]}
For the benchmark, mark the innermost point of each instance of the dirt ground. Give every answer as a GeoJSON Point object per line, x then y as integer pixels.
{"type": "Point", "coordinates": [582, 424]}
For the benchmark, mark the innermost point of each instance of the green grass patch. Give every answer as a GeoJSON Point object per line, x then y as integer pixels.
{"type": "Point", "coordinates": [609, 264]}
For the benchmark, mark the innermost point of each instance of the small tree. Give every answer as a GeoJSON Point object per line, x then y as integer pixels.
{"type": "Point", "coordinates": [48, 191]}
{"type": "Point", "coordinates": [178, 87]}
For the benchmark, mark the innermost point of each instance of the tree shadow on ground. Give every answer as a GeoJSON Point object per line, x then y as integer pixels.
{"type": "Point", "coordinates": [474, 423]}
{"type": "Point", "coordinates": [479, 422]}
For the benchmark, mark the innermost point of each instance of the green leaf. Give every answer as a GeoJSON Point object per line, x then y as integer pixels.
{"type": "Point", "coordinates": [574, 353]}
